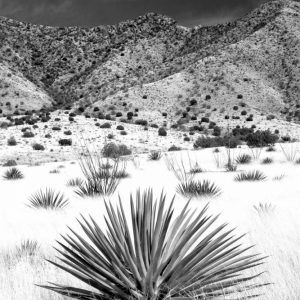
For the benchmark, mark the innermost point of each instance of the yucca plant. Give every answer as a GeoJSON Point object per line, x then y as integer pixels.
{"type": "Point", "coordinates": [48, 199]}
{"type": "Point", "coordinates": [155, 155]}
{"type": "Point", "coordinates": [75, 182]}
{"type": "Point", "coordinates": [155, 255]}
{"type": "Point", "coordinates": [251, 176]}
{"type": "Point", "coordinates": [99, 181]}
{"type": "Point", "coordinates": [243, 159]}
{"type": "Point", "coordinates": [13, 174]}
{"type": "Point", "coordinates": [194, 188]}
{"type": "Point", "coordinates": [267, 161]}
{"type": "Point", "coordinates": [264, 208]}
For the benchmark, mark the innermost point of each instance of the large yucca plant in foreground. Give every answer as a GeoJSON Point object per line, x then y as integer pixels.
{"type": "Point", "coordinates": [155, 255]}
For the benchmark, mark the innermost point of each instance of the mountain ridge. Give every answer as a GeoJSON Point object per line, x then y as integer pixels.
{"type": "Point", "coordinates": [109, 65]}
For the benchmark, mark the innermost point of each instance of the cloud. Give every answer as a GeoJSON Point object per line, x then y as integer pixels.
{"type": "Point", "coordinates": [97, 12]}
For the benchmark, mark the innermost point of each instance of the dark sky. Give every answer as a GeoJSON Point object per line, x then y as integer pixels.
{"type": "Point", "coordinates": [97, 12]}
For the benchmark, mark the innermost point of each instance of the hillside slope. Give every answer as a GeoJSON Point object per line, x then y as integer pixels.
{"type": "Point", "coordinates": [154, 65]}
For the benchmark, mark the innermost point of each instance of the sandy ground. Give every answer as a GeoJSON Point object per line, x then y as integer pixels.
{"type": "Point", "coordinates": [275, 235]}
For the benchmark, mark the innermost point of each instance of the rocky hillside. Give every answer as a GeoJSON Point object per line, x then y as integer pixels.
{"type": "Point", "coordinates": [243, 71]}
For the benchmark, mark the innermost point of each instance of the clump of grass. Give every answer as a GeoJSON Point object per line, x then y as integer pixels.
{"type": "Point", "coordinates": [297, 161]}
{"type": "Point", "coordinates": [279, 177]}
{"type": "Point", "coordinates": [155, 155]}
{"type": "Point", "coordinates": [48, 199]}
{"type": "Point", "coordinates": [106, 166]}
{"type": "Point", "coordinates": [122, 174]}
{"type": "Point", "coordinates": [13, 174]}
{"type": "Point", "coordinates": [153, 254]}
{"type": "Point", "coordinates": [75, 182]}
{"type": "Point", "coordinates": [54, 171]}
{"type": "Point", "coordinates": [267, 161]}
{"type": "Point", "coordinates": [27, 248]}
{"type": "Point", "coordinates": [230, 167]}
{"type": "Point", "coordinates": [271, 149]}
{"type": "Point", "coordinates": [203, 188]}
{"type": "Point", "coordinates": [251, 176]}
{"type": "Point", "coordinates": [196, 169]}
{"type": "Point", "coordinates": [264, 208]}
{"type": "Point", "coordinates": [243, 159]}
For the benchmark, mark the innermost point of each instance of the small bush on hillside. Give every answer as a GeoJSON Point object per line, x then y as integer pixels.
{"type": "Point", "coordinates": [162, 132]}
{"type": "Point", "coordinates": [174, 148]}
{"type": "Point", "coordinates": [75, 182]}
{"type": "Point", "coordinates": [38, 147]}
{"type": "Point", "coordinates": [120, 127]}
{"type": "Point", "coordinates": [141, 122]}
{"type": "Point", "coordinates": [65, 142]}
{"type": "Point", "coordinates": [10, 163]}
{"type": "Point", "coordinates": [112, 150]}
{"type": "Point", "coordinates": [11, 141]}
{"type": "Point", "coordinates": [56, 128]}
{"type": "Point", "coordinates": [13, 174]}
{"type": "Point", "coordinates": [28, 134]}
{"type": "Point", "coordinates": [68, 132]}
{"type": "Point", "coordinates": [105, 126]}
{"type": "Point", "coordinates": [261, 139]}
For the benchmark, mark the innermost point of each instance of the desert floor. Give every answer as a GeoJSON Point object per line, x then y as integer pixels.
{"type": "Point", "coordinates": [275, 234]}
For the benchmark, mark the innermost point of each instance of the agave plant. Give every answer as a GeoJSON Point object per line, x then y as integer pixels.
{"type": "Point", "coordinates": [155, 155]}
{"type": "Point", "coordinates": [251, 176]}
{"type": "Point", "coordinates": [243, 159]}
{"type": "Point", "coordinates": [13, 174]}
{"type": "Point", "coordinates": [48, 199]}
{"type": "Point", "coordinates": [155, 255]}
{"type": "Point", "coordinates": [194, 188]}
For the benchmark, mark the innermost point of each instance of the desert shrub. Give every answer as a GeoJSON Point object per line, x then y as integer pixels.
{"type": "Point", "coordinates": [28, 134]}
{"type": "Point", "coordinates": [205, 120]}
{"type": "Point", "coordinates": [13, 174]}
{"type": "Point", "coordinates": [56, 128]}
{"type": "Point", "coordinates": [251, 176]}
{"type": "Point", "coordinates": [162, 132]}
{"type": "Point", "coordinates": [267, 161]}
{"type": "Point", "coordinates": [123, 132]}
{"type": "Point", "coordinates": [68, 132]}
{"type": "Point", "coordinates": [261, 139]}
{"type": "Point", "coordinates": [286, 139]}
{"type": "Point", "coordinates": [38, 147]}
{"type": "Point", "coordinates": [75, 182]}
{"type": "Point", "coordinates": [201, 256]}
{"type": "Point", "coordinates": [65, 142]}
{"type": "Point", "coordinates": [271, 149]}
{"type": "Point", "coordinates": [48, 136]}
{"type": "Point", "coordinates": [110, 136]}
{"type": "Point", "coordinates": [174, 148]}
{"type": "Point", "coordinates": [11, 141]}
{"type": "Point", "coordinates": [48, 199]}
{"type": "Point", "coordinates": [155, 155]}
{"type": "Point", "coordinates": [121, 174]}
{"type": "Point", "coordinates": [243, 159]}
{"type": "Point", "coordinates": [105, 126]}
{"type": "Point", "coordinates": [198, 189]}
{"type": "Point", "coordinates": [141, 122]}
{"type": "Point", "coordinates": [120, 127]}
{"type": "Point", "coordinates": [186, 139]}
{"type": "Point", "coordinates": [217, 131]}
{"type": "Point", "coordinates": [112, 150]}
{"type": "Point", "coordinates": [297, 162]}
{"type": "Point", "coordinates": [10, 163]}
